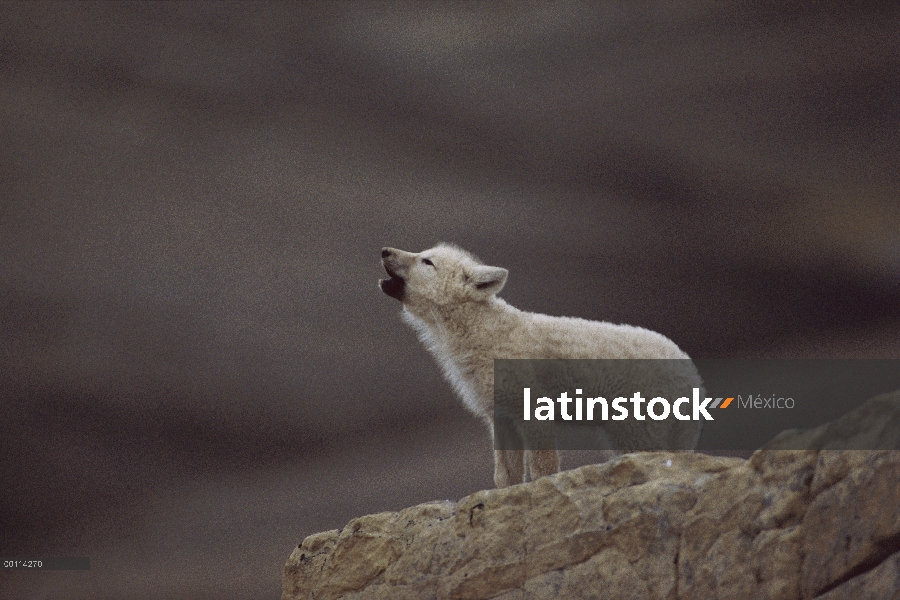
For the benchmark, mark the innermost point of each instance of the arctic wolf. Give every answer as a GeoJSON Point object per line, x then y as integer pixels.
{"type": "Point", "coordinates": [450, 299]}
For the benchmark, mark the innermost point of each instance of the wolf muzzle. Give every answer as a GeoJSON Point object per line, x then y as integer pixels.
{"type": "Point", "coordinates": [395, 285]}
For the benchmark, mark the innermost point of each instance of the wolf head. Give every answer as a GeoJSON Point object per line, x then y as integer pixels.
{"type": "Point", "coordinates": [437, 277]}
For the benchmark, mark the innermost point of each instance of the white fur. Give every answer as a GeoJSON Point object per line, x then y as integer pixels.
{"type": "Point", "coordinates": [454, 308]}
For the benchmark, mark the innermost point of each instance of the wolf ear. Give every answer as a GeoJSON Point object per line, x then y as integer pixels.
{"type": "Point", "coordinates": [487, 280]}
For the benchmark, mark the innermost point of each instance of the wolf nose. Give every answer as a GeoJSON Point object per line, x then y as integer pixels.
{"type": "Point", "coordinates": [385, 252]}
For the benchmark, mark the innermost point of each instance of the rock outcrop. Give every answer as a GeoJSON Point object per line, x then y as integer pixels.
{"type": "Point", "coordinates": [781, 525]}
{"type": "Point", "coordinates": [875, 424]}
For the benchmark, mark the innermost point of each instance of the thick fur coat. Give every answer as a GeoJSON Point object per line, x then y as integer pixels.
{"type": "Point", "coordinates": [450, 299]}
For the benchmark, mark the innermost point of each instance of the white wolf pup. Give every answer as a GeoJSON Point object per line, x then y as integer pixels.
{"type": "Point", "coordinates": [450, 299]}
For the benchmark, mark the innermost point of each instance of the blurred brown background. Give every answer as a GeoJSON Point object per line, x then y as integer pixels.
{"type": "Point", "coordinates": [196, 367]}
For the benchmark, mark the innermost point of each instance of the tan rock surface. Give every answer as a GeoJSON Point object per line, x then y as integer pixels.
{"type": "Point", "coordinates": [781, 525]}
{"type": "Point", "coordinates": [651, 525]}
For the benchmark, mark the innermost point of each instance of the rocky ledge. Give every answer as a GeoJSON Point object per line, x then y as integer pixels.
{"type": "Point", "coordinates": [783, 524]}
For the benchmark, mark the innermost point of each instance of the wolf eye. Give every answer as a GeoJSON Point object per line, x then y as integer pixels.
{"type": "Point", "coordinates": [427, 262]}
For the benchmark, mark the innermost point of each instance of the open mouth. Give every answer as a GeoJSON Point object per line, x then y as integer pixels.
{"type": "Point", "coordinates": [393, 286]}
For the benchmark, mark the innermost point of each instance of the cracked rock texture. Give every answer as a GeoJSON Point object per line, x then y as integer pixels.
{"type": "Point", "coordinates": [783, 524]}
